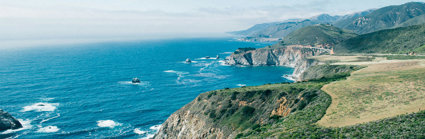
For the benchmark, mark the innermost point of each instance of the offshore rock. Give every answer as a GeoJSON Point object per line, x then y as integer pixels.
{"type": "Point", "coordinates": [8, 122]}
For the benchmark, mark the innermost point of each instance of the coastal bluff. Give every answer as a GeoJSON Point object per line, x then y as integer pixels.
{"type": "Point", "coordinates": [8, 122]}
{"type": "Point", "coordinates": [226, 113]}
{"type": "Point", "coordinates": [294, 56]}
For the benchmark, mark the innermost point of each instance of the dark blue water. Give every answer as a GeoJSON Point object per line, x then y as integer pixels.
{"type": "Point", "coordinates": [83, 91]}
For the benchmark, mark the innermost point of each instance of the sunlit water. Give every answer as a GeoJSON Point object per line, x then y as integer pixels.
{"type": "Point", "coordinates": [85, 91]}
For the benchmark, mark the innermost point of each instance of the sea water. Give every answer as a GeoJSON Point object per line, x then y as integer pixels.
{"type": "Point", "coordinates": [85, 90]}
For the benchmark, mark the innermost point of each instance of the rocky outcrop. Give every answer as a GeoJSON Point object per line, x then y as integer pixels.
{"type": "Point", "coordinates": [8, 122]}
{"type": "Point", "coordinates": [295, 56]}
{"type": "Point", "coordinates": [225, 113]}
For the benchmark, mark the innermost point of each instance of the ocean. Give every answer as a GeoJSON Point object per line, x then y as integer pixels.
{"type": "Point", "coordinates": [85, 90]}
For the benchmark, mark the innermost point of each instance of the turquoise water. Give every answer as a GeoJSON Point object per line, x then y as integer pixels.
{"type": "Point", "coordinates": [84, 91]}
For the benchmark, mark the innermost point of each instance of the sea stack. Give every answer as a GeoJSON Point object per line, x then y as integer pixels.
{"type": "Point", "coordinates": [135, 80]}
{"type": "Point", "coordinates": [188, 60]}
{"type": "Point", "coordinates": [8, 122]}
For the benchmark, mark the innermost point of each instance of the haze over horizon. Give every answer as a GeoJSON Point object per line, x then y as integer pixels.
{"type": "Point", "coordinates": [31, 22]}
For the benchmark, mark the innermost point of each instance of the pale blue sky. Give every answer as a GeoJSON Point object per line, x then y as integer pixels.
{"type": "Point", "coordinates": [76, 20]}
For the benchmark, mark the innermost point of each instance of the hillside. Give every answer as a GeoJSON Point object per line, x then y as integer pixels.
{"type": "Point", "coordinates": [400, 41]}
{"type": "Point", "coordinates": [281, 29]}
{"type": "Point", "coordinates": [318, 35]}
{"type": "Point", "coordinates": [385, 18]}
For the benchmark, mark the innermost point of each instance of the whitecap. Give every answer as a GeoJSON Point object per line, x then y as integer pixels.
{"type": "Point", "coordinates": [223, 63]}
{"type": "Point", "coordinates": [211, 75]}
{"type": "Point", "coordinates": [39, 107]}
{"type": "Point", "coordinates": [48, 119]}
{"type": "Point", "coordinates": [241, 85]}
{"type": "Point", "coordinates": [227, 53]}
{"type": "Point", "coordinates": [47, 99]}
{"type": "Point", "coordinates": [26, 124]}
{"type": "Point", "coordinates": [138, 131]}
{"type": "Point", "coordinates": [142, 83]}
{"type": "Point", "coordinates": [155, 127]}
{"type": "Point", "coordinates": [108, 123]}
{"type": "Point", "coordinates": [289, 77]}
{"type": "Point", "coordinates": [149, 136]}
{"type": "Point", "coordinates": [48, 129]}
{"type": "Point", "coordinates": [170, 71]}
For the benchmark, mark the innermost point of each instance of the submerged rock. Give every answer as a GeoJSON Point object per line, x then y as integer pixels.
{"type": "Point", "coordinates": [135, 80]}
{"type": "Point", "coordinates": [8, 122]}
{"type": "Point", "coordinates": [188, 60]}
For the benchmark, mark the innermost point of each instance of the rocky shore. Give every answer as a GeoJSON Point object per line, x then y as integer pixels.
{"type": "Point", "coordinates": [295, 56]}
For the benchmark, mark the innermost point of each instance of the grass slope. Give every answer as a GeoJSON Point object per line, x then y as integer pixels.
{"type": "Point", "coordinates": [379, 91]}
{"type": "Point", "coordinates": [325, 35]}
{"type": "Point", "coordinates": [398, 41]}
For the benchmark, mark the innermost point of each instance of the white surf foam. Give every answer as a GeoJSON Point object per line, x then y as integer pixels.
{"type": "Point", "coordinates": [289, 77]}
{"type": "Point", "coordinates": [47, 99]}
{"type": "Point", "coordinates": [155, 127]}
{"type": "Point", "coordinates": [48, 119]}
{"type": "Point", "coordinates": [142, 83]}
{"type": "Point", "coordinates": [48, 129]}
{"type": "Point", "coordinates": [170, 71]}
{"type": "Point", "coordinates": [138, 131]}
{"type": "Point", "coordinates": [227, 53]}
{"type": "Point", "coordinates": [26, 124]}
{"type": "Point", "coordinates": [108, 123]}
{"type": "Point", "coordinates": [39, 107]}
{"type": "Point", "coordinates": [223, 63]}
{"type": "Point", "coordinates": [211, 75]}
{"type": "Point", "coordinates": [149, 136]}
{"type": "Point", "coordinates": [241, 85]}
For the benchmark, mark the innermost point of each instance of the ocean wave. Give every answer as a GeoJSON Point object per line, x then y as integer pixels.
{"type": "Point", "coordinates": [26, 124]}
{"type": "Point", "coordinates": [108, 123]}
{"type": "Point", "coordinates": [227, 53]}
{"type": "Point", "coordinates": [211, 75]}
{"type": "Point", "coordinates": [39, 107]}
{"type": "Point", "coordinates": [155, 127]}
{"type": "Point", "coordinates": [176, 72]}
{"type": "Point", "coordinates": [223, 63]}
{"type": "Point", "coordinates": [241, 85]}
{"type": "Point", "coordinates": [48, 119]}
{"type": "Point", "coordinates": [142, 83]}
{"type": "Point", "coordinates": [149, 136]}
{"type": "Point", "coordinates": [288, 77]}
{"type": "Point", "coordinates": [48, 129]}
{"type": "Point", "coordinates": [138, 131]}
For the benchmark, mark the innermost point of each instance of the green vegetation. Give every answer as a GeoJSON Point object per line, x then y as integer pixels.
{"type": "Point", "coordinates": [385, 18]}
{"type": "Point", "coordinates": [399, 41]}
{"type": "Point", "coordinates": [318, 35]}
{"type": "Point", "coordinates": [325, 72]}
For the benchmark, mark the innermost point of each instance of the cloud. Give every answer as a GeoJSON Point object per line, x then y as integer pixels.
{"type": "Point", "coordinates": [138, 19]}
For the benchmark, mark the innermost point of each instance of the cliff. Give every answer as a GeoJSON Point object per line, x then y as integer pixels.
{"type": "Point", "coordinates": [295, 56]}
{"type": "Point", "coordinates": [227, 113]}
{"type": "Point", "coordinates": [8, 122]}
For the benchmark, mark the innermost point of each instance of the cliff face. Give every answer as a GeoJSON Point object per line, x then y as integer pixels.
{"type": "Point", "coordinates": [228, 112]}
{"type": "Point", "coordinates": [8, 122]}
{"type": "Point", "coordinates": [294, 56]}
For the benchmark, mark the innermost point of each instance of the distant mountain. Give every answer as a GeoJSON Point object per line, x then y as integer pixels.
{"type": "Point", "coordinates": [322, 35]}
{"type": "Point", "coordinates": [281, 29]}
{"type": "Point", "coordinates": [398, 40]}
{"type": "Point", "coordinates": [385, 18]}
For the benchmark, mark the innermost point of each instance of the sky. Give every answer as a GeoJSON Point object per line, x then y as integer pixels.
{"type": "Point", "coordinates": [27, 22]}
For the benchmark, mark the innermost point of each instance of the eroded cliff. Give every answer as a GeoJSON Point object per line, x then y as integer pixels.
{"type": "Point", "coordinates": [295, 56]}
{"type": "Point", "coordinates": [227, 113]}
